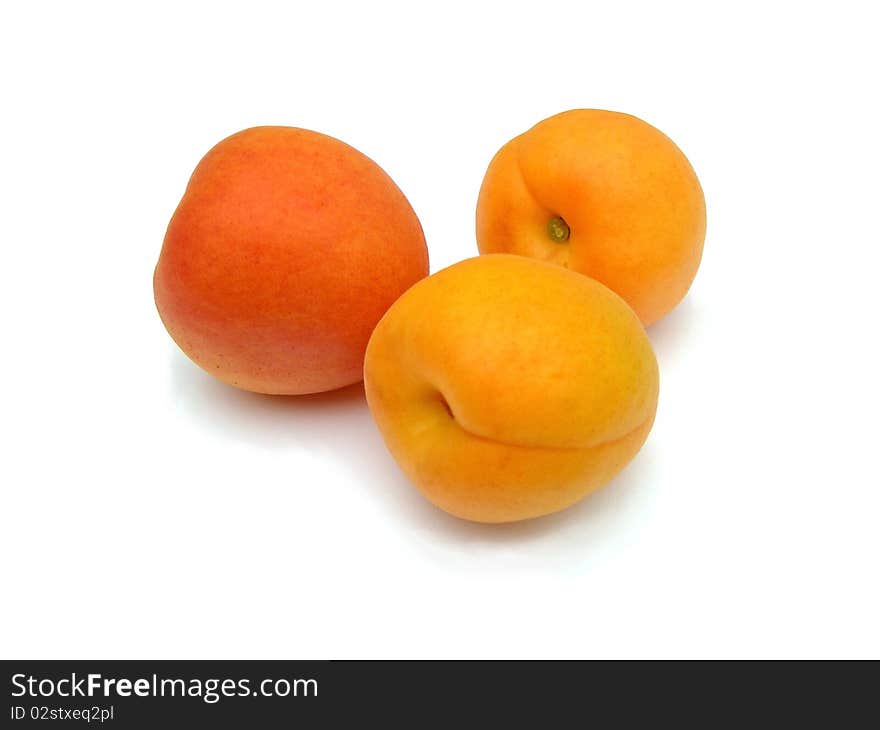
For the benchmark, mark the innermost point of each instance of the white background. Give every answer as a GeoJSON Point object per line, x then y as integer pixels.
{"type": "Point", "coordinates": [149, 511]}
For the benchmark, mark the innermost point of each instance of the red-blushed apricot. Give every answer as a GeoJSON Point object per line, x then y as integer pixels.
{"type": "Point", "coordinates": [287, 248]}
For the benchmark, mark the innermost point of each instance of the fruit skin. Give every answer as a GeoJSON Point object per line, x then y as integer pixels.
{"type": "Point", "coordinates": [508, 388]}
{"type": "Point", "coordinates": [286, 249]}
{"type": "Point", "coordinates": [631, 199]}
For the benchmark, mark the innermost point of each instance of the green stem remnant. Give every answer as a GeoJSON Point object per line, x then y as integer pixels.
{"type": "Point", "coordinates": [558, 230]}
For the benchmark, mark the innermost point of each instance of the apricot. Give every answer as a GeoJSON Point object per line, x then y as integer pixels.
{"type": "Point", "coordinates": [508, 388]}
{"type": "Point", "coordinates": [286, 249]}
{"type": "Point", "coordinates": [604, 194]}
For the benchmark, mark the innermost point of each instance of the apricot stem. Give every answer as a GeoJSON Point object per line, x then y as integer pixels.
{"type": "Point", "coordinates": [558, 230]}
